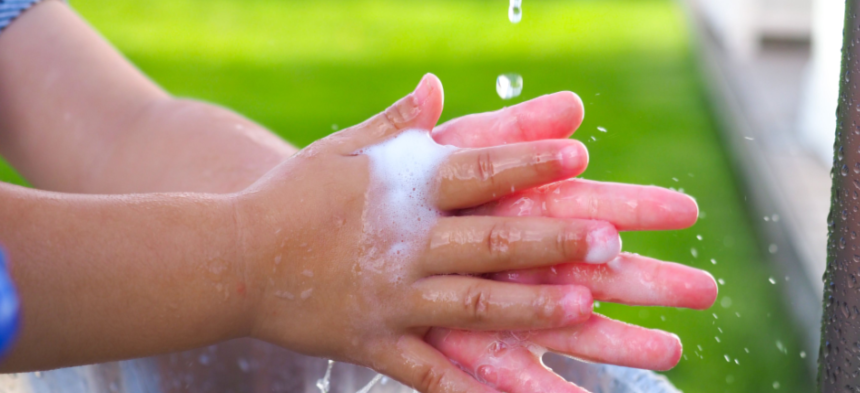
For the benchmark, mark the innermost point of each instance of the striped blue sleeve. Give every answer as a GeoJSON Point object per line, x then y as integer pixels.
{"type": "Point", "coordinates": [10, 9]}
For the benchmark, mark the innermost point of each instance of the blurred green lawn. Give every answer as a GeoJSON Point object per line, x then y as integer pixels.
{"type": "Point", "coordinates": [306, 68]}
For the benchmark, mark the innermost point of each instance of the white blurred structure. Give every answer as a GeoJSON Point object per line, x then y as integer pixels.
{"type": "Point", "coordinates": [817, 115]}
{"type": "Point", "coordinates": [773, 68]}
{"type": "Point", "coordinates": [741, 25]}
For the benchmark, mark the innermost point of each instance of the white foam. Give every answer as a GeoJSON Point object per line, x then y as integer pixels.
{"type": "Point", "coordinates": [399, 203]}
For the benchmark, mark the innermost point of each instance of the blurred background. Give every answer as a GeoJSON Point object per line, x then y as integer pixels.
{"type": "Point", "coordinates": [730, 101]}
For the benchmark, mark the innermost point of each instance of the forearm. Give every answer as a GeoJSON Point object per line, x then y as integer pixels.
{"type": "Point", "coordinates": [108, 277]}
{"type": "Point", "coordinates": [75, 116]}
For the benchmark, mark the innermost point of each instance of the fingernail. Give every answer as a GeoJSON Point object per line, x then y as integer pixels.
{"type": "Point", "coordinates": [423, 91]}
{"type": "Point", "coordinates": [578, 305]}
{"type": "Point", "coordinates": [572, 157]}
{"type": "Point", "coordinates": [604, 244]}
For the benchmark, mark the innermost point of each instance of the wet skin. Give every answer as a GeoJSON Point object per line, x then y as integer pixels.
{"type": "Point", "coordinates": [505, 361]}
{"type": "Point", "coordinates": [316, 285]}
{"type": "Point", "coordinates": [56, 153]}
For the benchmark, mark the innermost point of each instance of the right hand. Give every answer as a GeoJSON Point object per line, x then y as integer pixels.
{"type": "Point", "coordinates": [324, 277]}
{"type": "Point", "coordinates": [509, 361]}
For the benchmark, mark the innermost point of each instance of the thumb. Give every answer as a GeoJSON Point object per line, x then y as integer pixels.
{"type": "Point", "coordinates": [420, 109]}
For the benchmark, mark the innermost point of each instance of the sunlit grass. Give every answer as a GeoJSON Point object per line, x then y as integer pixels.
{"type": "Point", "coordinates": [305, 68]}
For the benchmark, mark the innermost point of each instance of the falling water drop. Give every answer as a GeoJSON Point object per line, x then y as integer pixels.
{"type": "Point", "coordinates": [515, 11]}
{"type": "Point", "coordinates": [370, 384]}
{"type": "Point", "coordinates": [324, 383]}
{"type": "Point", "coordinates": [509, 86]}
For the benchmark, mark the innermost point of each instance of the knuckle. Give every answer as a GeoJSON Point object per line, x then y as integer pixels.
{"type": "Point", "coordinates": [477, 303]}
{"type": "Point", "coordinates": [486, 169]}
{"type": "Point", "coordinates": [499, 240]}
{"type": "Point", "coordinates": [551, 310]}
{"type": "Point", "coordinates": [544, 163]}
{"type": "Point", "coordinates": [431, 380]}
{"type": "Point", "coordinates": [568, 242]}
{"type": "Point", "coordinates": [397, 115]}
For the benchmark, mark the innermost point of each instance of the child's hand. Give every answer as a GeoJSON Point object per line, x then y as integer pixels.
{"type": "Point", "coordinates": [508, 361]}
{"type": "Point", "coordinates": [354, 260]}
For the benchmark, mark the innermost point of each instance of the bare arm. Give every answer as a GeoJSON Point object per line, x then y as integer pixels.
{"type": "Point", "coordinates": [75, 116]}
{"type": "Point", "coordinates": [108, 277]}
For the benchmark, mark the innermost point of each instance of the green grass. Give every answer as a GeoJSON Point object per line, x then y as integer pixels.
{"type": "Point", "coordinates": [303, 68]}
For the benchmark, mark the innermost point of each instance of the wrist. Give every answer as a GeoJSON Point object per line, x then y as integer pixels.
{"type": "Point", "coordinates": [246, 289]}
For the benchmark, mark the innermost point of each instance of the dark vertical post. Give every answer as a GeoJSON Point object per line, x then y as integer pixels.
{"type": "Point", "coordinates": [839, 355]}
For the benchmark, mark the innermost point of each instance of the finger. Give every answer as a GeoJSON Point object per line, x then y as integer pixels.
{"type": "Point", "coordinates": [464, 302]}
{"type": "Point", "coordinates": [628, 207]}
{"type": "Point", "coordinates": [553, 116]}
{"type": "Point", "coordinates": [418, 365]}
{"type": "Point", "coordinates": [603, 340]}
{"type": "Point", "coordinates": [500, 360]}
{"type": "Point", "coordinates": [477, 244]}
{"type": "Point", "coordinates": [418, 110]}
{"type": "Point", "coordinates": [471, 177]}
{"type": "Point", "coordinates": [629, 279]}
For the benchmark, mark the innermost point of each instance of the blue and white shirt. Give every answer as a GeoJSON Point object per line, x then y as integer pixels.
{"type": "Point", "coordinates": [10, 9]}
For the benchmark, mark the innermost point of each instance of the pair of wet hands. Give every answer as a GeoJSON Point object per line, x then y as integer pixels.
{"type": "Point", "coordinates": [502, 259]}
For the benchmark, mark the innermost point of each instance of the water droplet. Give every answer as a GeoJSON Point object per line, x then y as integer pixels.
{"type": "Point", "coordinates": [243, 365]}
{"type": "Point", "coordinates": [776, 385]}
{"type": "Point", "coordinates": [334, 127]}
{"type": "Point", "coordinates": [772, 280]}
{"type": "Point", "coordinates": [772, 248]}
{"type": "Point", "coordinates": [699, 237]}
{"type": "Point", "coordinates": [515, 11]}
{"type": "Point", "coordinates": [749, 138]}
{"type": "Point", "coordinates": [713, 261]}
{"type": "Point", "coordinates": [370, 384]}
{"type": "Point", "coordinates": [728, 359]}
{"type": "Point", "coordinates": [747, 350]}
{"type": "Point", "coordinates": [717, 338]}
{"type": "Point", "coordinates": [509, 85]}
{"type": "Point", "coordinates": [721, 281]}
{"type": "Point", "coordinates": [775, 218]}
{"type": "Point", "coordinates": [781, 347]}
{"type": "Point", "coordinates": [324, 383]}
{"type": "Point", "coordinates": [601, 129]}
{"type": "Point", "coordinates": [803, 354]}
{"type": "Point", "coordinates": [726, 302]}
{"type": "Point", "coordinates": [694, 252]}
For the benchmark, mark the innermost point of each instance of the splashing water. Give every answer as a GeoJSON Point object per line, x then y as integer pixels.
{"type": "Point", "coordinates": [509, 86]}
{"type": "Point", "coordinates": [324, 383]}
{"type": "Point", "coordinates": [370, 384]}
{"type": "Point", "coordinates": [515, 11]}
